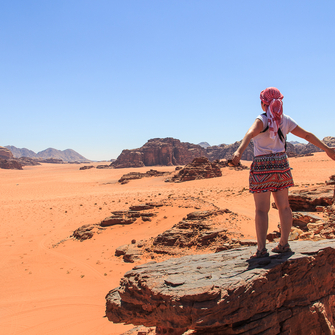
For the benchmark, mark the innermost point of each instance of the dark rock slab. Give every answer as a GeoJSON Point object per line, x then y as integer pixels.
{"type": "Point", "coordinates": [227, 293]}
{"type": "Point", "coordinates": [113, 220]}
{"type": "Point", "coordinates": [308, 199]}
{"type": "Point", "coordinates": [139, 175]}
{"type": "Point", "coordinates": [86, 167]}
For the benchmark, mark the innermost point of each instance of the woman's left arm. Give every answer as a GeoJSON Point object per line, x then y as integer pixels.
{"type": "Point", "coordinates": [311, 138]}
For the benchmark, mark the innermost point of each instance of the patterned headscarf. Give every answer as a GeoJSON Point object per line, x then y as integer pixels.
{"type": "Point", "coordinates": [272, 97]}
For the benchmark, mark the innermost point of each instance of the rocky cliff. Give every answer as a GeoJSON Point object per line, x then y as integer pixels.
{"type": "Point", "coordinates": [170, 151]}
{"type": "Point", "coordinates": [227, 293]}
{"type": "Point", "coordinates": [160, 151]}
{"type": "Point", "coordinates": [5, 153]}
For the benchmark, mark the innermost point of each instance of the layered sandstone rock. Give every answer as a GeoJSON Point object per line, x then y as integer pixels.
{"type": "Point", "coordinates": [160, 151]}
{"type": "Point", "coordinates": [12, 164]}
{"type": "Point", "coordinates": [199, 168]}
{"type": "Point", "coordinates": [309, 198]}
{"type": "Point", "coordinates": [204, 231]}
{"type": "Point", "coordinates": [138, 175]}
{"type": "Point", "coordinates": [5, 153]}
{"type": "Point", "coordinates": [227, 293]}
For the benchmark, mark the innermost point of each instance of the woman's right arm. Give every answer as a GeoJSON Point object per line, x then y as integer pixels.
{"type": "Point", "coordinates": [311, 138]}
{"type": "Point", "coordinates": [253, 131]}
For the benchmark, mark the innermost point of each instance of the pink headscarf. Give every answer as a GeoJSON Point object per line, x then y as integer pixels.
{"type": "Point", "coordinates": [272, 97]}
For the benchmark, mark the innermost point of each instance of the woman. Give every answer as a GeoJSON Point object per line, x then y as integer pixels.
{"type": "Point", "coordinates": [270, 170]}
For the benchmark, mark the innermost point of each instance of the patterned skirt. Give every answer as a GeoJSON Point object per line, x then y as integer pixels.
{"type": "Point", "coordinates": [270, 173]}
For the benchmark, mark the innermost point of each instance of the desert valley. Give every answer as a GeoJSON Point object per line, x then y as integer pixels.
{"type": "Point", "coordinates": [54, 283]}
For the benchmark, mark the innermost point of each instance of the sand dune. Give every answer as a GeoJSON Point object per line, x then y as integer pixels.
{"type": "Point", "coordinates": [51, 284]}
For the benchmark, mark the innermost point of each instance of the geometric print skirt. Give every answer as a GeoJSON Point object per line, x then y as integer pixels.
{"type": "Point", "coordinates": [270, 173]}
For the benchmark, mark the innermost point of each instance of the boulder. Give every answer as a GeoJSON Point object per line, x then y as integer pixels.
{"type": "Point", "coordinates": [227, 293]}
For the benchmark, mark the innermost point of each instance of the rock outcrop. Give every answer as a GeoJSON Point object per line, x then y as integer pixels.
{"type": "Point", "coordinates": [160, 151]}
{"type": "Point", "coordinates": [199, 168]}
{"type": "Point", "coordinates": [227, 293]}
{"type": "Point", "coordinates": [170, 151]}
{"type": "Point", "coordinates": [12, 164]}
{"type": "Point", "coordinates": [204, 231]}
{"type": "Point", "coordinates": [5, 153]}
{"type": "Point", "coordinates": [139, 211]}
{"type": "Point", "coordinates": [310, 198]}
{"type": "Point", "coordinates": [138, 175]}
{"type": "Point", "coordinates": [225, 151]}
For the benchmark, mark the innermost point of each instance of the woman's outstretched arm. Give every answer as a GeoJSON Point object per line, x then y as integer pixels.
{"type": "Point", "coordinates": [253, 131]}
{"type": "Point", "coordinates": [311, 138]}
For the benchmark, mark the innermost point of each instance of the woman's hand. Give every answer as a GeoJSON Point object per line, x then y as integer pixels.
{"type": "Point", "coordinates": [236, 157]}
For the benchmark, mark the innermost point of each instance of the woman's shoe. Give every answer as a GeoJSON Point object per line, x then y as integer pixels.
{"type": "Point", "coordinates": [279, 249]}
{"type": "Point", "coordinates": [260, 254]}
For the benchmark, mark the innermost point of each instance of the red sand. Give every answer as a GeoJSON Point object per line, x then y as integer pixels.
{"type": "Point", "coordinates": [53, 288]}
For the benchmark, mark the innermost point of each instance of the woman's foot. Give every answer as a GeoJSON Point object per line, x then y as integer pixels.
{"type": "Point", "coordinates": [260, 254]}
{"type": "Point", "coordinates": [279, 249]}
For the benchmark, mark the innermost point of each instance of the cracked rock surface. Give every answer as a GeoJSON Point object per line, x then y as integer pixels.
{"type": "Point", "coordinates": [227, 293]}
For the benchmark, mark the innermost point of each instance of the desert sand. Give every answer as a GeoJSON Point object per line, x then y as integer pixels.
{"type": "Point", "coordinates": [52, 284]}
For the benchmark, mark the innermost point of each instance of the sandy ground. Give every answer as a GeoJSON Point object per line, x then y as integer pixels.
{"type": "Point", "coordinates": [54, 285]}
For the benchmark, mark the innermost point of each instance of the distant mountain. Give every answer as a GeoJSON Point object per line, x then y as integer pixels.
{"type": "Point", "coordinates": [67, 155]}
{"type": "Point", "coordinates": [17, 153]}
{"type": "Point", "coordinates": [204, 144]}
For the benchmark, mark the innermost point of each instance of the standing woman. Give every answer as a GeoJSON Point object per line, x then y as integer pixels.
{"type": "Point", "coordinates": [270, 170]}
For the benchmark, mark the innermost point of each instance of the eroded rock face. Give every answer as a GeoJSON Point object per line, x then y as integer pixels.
{"type": "Point", "coordinates": [226, 293]}
{"type": "Point", "coordinates": [200, 168]}
{"type": "Point", "coordinates": [204, 231]}
{"type": "Point", "coordinates": [160, 151]}
{"type": "Point", "coordinates": [5, 153]}
{"type": "Point", "coordinates": [309, 198]}
{"type": "Point", "coordinates": [12, 164]}
{"type": "Point", "coordinates": [138, 175]}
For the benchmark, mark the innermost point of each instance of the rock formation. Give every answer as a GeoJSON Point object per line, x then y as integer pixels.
{"type": "Point", "coordinates": [227, 293]}
{"type": "Point", "coordinates": [138, 175]}
{"type": "Point", "coordinates": [160, 151]}
{"type": "Point", "coordinates": [118, 217]}
{"type": "Point", "coordinates": [12, 164]}
{"type": "Point", "coordinates": [309, 198]}
{"type": "Point", "coordinates": [204, 231]}
{"type": "Point", "coordinates": [170, 151]}
{"type": "Point", "coordinates": [225, 151]}
{"type": "Point", "coordinates": [199, 168]}
{"type": "Point", "coordinates": [5, 153]}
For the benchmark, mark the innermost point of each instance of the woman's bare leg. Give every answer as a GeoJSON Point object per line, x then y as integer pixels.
{"type": "Point", "coordinates": [285, 214]}
{"type": "Point", "coordinates": [262, 204]}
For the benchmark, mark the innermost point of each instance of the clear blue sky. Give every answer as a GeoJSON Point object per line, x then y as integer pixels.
{"type": "Point", "coordinates": [100, 76]}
